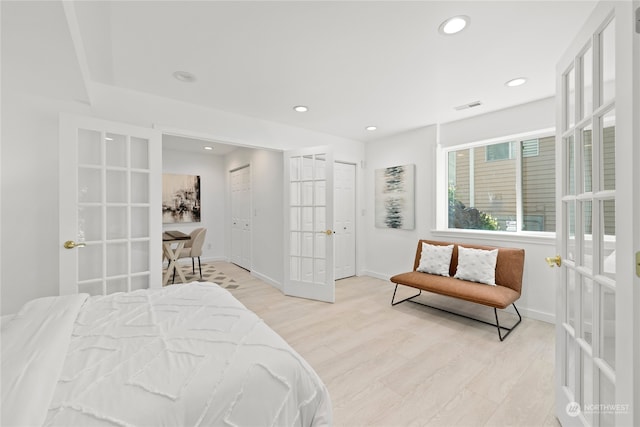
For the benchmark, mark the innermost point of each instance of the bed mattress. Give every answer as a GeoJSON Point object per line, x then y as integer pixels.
{"type": "Point", "coordinates": [184, 355]}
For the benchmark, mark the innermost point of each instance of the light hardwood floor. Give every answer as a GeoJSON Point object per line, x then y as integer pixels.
{"type": "Point", "coordinates": [409, 365]}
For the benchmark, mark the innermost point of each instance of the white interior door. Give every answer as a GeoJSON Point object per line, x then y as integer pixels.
{"type": "Point", "coordinates": [110, 208]}
{"type": "Point", "coordinates": [308, 240]}
{"type": "Point", "coordinates": [241, 217]}
{"type": "Point", "coordinates": [345, 218]}
{"type": "Point", "coordinates": [596, 362]}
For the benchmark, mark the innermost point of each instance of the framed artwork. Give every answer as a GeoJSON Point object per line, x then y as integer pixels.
{"type": "Point", "coordinates": [180, 198]}
{"type": "Point", "coordinates": [394, 197]}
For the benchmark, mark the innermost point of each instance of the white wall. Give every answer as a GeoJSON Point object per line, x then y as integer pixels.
{"type": "Point", "coordinates": [30, 241]}
{"type": "Point", "coordinates": [267, 261]}
{"type": "Point", "coordinates": [391, 251]}
{"type": "Point", "coordinates": [212, 197]}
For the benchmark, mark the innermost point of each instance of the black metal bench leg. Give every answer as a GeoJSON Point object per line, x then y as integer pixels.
{"type": "Point", "coordinates": [495, 312]}
{"type": "Point", "coordinates": [406, 299]}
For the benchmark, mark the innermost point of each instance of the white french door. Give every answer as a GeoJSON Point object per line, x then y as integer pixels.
{"type": "Point", "coordinates": [596, 335]}
{"type": "Point", "coordinates": [308, 240]}
{"type": "Point", "coordinates": [110, 209]}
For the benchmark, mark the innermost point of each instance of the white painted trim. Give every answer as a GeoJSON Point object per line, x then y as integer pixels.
{"type": "Point", "coordinates": [267, 279]}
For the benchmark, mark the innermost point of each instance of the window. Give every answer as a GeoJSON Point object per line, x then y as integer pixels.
{"type": "Point", "coordinates": [502, 151]}
{"type": "Point", "coordinates": [506, 186]}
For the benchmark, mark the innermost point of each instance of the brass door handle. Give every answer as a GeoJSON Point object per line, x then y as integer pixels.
{"type": "Point", "coordinates": [554, 261]}
{"type": "Point", "coordinates": [329, 232]}
{"type": "Point", "coordinates": [70, 244]}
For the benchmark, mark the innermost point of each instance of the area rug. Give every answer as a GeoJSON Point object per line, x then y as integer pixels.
{"type": "Point", "coordinates": [210, 273]}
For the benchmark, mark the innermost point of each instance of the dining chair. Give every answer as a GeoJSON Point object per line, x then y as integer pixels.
{"type": "Point", "coordinates": [193, 249]}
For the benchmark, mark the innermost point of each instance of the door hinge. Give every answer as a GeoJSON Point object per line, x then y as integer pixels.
{"type": "Point", "coordinates": [638, 20]}
{"type": "Point", "coordinates": [638, 263]}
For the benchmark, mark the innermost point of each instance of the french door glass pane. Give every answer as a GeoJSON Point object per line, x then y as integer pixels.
{"type": "Point", "coordinates": [587, 158]}
{"type": "Point", "coordinates": [570, 82]}
{"type": "Point", "coordinates": [294, 193]}
{"type": "Point", "coordinates": [89, 223]}
{"type": "Point", "coordinates": [608, 138]}
{"type": "Point", "coordinates": [608, 63]}
{"type": "Point", "coordinates": [139, 256]}
{"type": "Point", "coordinates": [139, 153]}
{"type": "Point", "coordinates": [140, 221]}
{"type": "Point", "coordinates": [570, 363]}
{"type": "Point", "coordinates": [116, 186]}
{"type": "Point", "coordinates": [139, 282]}
{"type": "Point", "coordinates": [608, 243]}
{"type": "Point", "coordinates": [587, 240]}
{"type": "Point", "coordinates": [116, 150]}
{"type": "Point", "coordinates": [118, 284]}
{"type": "Point", "coordinates": [571, 165]}
{"type": "Point", "coordinates": [570, 212]}
{"type": "Point", "coordinates": [89, 185]}
{"type": "Point", "coordinates": [587, 82]}
{"type": "Point", "coordinates": [139, 187]}
{"type": "Point", "coordinates": [607, 326]}
{"type": "Point", "coordinates": [90, 262]}
{"type": "Point", "coordinates": [571, 298]}
{"type": "Point", "coordinates": [587, 310]}
{"type": "Point", "coordinates": [117, 259]}
{"type": "Point", "coordinates": [117, 226]}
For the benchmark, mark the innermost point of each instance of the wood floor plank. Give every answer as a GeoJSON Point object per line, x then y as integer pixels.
{"type": "Point", "coordinates": [410, 365]}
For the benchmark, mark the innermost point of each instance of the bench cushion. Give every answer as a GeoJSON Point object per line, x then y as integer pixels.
{"type": "Point", "coordinates": [493, 296]}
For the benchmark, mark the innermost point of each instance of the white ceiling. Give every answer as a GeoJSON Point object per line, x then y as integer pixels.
{"type": "Point", "coordinates": [354, 64]}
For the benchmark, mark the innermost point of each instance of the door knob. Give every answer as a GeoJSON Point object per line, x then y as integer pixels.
{"type": "Point", "coordinates": [554, 260]}
{"type": "Point", "coordinates": [329, 232]}
{"type": "Point", "coordinates": [70, 244]}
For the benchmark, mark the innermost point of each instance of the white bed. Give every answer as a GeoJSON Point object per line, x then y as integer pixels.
{"type": "Point", "coordinates": [184, 355]}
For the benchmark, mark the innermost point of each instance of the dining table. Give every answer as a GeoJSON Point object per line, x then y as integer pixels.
{"type": "Point", "coordinates": [173, 242]}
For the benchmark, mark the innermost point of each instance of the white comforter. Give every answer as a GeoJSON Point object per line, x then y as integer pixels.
{"type": "Point", "coordinates": [185, 355]}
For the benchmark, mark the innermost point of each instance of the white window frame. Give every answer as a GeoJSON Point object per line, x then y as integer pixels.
{"type": "Point", "coordinates": [442, 214]}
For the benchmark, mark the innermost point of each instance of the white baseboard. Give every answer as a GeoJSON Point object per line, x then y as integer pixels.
{"type": "Point", "coordinates": [376, 275]}
{"type": "Point", "coordinates": [267, 279]}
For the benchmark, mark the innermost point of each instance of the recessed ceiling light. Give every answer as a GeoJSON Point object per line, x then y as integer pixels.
{"type": "Point", "coordinates": [208, 148]}
{"type": "Point", "coordinates": [301, 108]}
{"type": "Point", "coordinates": [516, 82]}
{"type": "Point", "coordinates": [454, 25]}
{"type": "Point", "coordinates": [371, 128]}
{"type": "Point", "coordinates": [184, 76]}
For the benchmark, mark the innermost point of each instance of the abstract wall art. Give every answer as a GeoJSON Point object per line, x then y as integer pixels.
{"type": "Point", "coordinates": [180, 198]}
{"type": "Point", "coordinates": [394, 197]}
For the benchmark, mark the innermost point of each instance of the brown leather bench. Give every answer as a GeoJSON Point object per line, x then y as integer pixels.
{"type": "Point", "coordinates": [508, 282]}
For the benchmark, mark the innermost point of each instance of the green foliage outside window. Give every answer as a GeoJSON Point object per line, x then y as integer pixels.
{"type": "Point", "coordinates": [461, 216]}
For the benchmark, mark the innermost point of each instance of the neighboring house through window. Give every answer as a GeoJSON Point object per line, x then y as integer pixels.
{"type": "Point", "coordinates": [510, 185]}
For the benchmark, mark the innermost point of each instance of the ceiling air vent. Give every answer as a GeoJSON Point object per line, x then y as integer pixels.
{"type": "Point", "coordinates": [469, 105]}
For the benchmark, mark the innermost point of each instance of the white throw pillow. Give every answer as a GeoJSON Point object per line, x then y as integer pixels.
{"type": "Point", "coordinates": [435, 259]}
{"type": "Point", "coordinates": [477, 265]}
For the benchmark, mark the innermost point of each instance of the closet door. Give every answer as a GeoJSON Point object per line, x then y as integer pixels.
{"type": "Point", "coordinates": [241, 217]}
